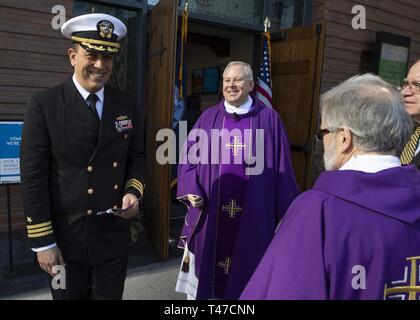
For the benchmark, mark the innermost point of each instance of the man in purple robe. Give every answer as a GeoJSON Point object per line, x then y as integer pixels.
{"type": "Point", "coordinates": [237, 180]}
{"type": "Point", "coordinates": [356, 234]}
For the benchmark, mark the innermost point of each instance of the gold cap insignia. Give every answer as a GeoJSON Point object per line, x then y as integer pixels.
{"type": "Point", "coordinates": [105, 28]}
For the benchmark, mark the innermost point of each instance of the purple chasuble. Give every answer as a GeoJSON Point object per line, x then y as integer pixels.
{"type": "Point", "coordinates": [353, 236]}
{"type": "Point", "coordinates": [233, 182]}
{"type": "Point", "coordinates": [260, 201]}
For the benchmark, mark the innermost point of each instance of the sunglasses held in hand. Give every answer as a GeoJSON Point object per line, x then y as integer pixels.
{"type": "Point", "coordinates": [114, 211]}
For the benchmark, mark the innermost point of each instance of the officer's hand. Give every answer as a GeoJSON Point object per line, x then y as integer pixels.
{"type": "Point", "coordinates": [196, 201]}
{"type": "Point", "coordinates": [49, 258]}
{"type": "Point", "coordinates": [130, 202]}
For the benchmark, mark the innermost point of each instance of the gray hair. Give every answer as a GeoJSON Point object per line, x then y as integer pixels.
{"type": "Point", "coordinates": [372, 110]}
{"type": "Point", "coordinates": [247, 68]}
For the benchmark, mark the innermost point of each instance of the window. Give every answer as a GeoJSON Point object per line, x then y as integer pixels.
{"type": "Point", "coordinates": [289, 13]}
{"type": "Point", "coordinates": [243, 11]}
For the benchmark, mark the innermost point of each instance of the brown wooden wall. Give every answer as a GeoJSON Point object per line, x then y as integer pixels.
{"type": "Point", "coordinates": [349, 52]}
{"type": "Point", "coordinates": [32, 57]}
{"type": "Point", "coordinates": [33, 54]}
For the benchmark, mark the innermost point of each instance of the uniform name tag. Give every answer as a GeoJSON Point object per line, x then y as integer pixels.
{"type": "Point", "coordinates": [123, 124]}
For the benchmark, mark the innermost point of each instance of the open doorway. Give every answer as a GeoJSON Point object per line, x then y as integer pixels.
{"type": "Point", "coordinates": [209, 49]}
{"type": "Point", "coordinates": [213, 47]}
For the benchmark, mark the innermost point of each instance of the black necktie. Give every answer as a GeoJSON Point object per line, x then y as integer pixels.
{"type": "Point", "coordinates": [92, 98]}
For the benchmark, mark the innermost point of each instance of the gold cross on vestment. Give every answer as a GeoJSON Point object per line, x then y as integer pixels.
{"type": "Point", "coordinates": [413, 288]}
{"type": "Point", "coordinates": [226, 264]}
{"type": "Point", "coordinates": [236, 145]}
{"type": "Point", "coordinates": [232, 209]}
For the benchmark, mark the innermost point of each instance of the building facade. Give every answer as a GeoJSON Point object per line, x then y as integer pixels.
{"type": "Point", "coordinates": [315, 46]}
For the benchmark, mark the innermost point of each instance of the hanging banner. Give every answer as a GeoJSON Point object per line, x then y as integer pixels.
{"type": "Point", "coordinates": [10, 139]}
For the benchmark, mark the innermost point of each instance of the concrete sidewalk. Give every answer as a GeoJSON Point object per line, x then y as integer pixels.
{"type": "Point", "coordinates": [151, 282]}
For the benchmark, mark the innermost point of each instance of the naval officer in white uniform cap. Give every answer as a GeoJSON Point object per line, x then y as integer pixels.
{"type": "Point", "coordinates": [82, 162]}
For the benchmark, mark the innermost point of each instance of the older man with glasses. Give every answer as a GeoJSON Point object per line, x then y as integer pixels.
{"type": "Point", "coordinates": [356, 234]}
{"type": "Point", "coordinates": [410, 90]}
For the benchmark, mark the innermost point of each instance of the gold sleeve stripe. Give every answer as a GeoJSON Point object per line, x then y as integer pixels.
{"type": "Point", "coordinates": [38, 235]}
{"type": "Point", "coordinates": [135, 187]}
{"type": "Point", "coordinates": [39, 230]}
{"type": "Point", "coordinates": [93, 41]}
{"type": "Point", "coordinates": [138, 188]}
{"type": "Point", "coordinates": [138, 185]}
{"type": "Point", "coordinates": [39, 225]}
{"type": "Point", "coordinates": [135, 181]}
{"type": "Point", "coordinates": [135, 184]}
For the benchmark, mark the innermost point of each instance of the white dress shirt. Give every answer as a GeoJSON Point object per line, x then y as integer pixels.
{"type": "Point", "coordinates": [243, 109]}
{"type": "Point", "coordinates": [417, 150]}
{"type": "Point", "coordinates": [371, 163]}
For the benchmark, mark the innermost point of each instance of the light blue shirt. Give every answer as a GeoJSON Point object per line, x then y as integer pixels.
{"type": "Point", "coordinates": [85, 94]}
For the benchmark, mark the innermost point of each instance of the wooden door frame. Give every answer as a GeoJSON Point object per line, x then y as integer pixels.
{"type": "Point", "coordinates": [160, 224]}
{"type": "Point", "coordinates": [318, 30]}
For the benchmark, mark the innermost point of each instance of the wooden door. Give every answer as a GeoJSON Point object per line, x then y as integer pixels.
{"type": "Point", "coordinates": [297, 58]}
{"type": "Point", "coordinates": [160, 90]}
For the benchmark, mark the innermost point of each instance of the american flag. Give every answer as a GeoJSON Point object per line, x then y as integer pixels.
{"type": "Point", "coordinates": [263, 89]}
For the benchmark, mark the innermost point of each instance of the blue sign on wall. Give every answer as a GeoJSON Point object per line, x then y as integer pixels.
{"type": "Point", "coordinates": [10, 138]}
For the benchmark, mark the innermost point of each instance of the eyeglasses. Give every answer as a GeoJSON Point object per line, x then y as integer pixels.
{"type": "Point", "coordinates": [113, 211]}
{"type": "Point", "coordinates": [321, 133]}
{"type": "Point", "coordinates": [413, 85]}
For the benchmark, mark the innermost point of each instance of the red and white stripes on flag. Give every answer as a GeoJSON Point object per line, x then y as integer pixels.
{"type": "Point", "coordinates": [263, 90]}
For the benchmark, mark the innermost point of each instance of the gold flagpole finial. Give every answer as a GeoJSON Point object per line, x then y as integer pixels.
{"type": "Point", "coordinates": [267, 24]}
{"type": "Point", "coordinates": [186, 6]}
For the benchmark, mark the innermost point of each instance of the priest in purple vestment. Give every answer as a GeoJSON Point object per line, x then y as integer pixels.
{"type": "Point", "coordinates": [356, 234]}
{"type": "Point", "coordinates": [237, 180]}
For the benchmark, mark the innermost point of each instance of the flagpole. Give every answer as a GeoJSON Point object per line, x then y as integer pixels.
{"type": "Point", "coordinates": [267, 26]}
{"type": "Point", "coordinates": [184, 33]}
{"type": "Point", "coordinates": [264, 85]}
